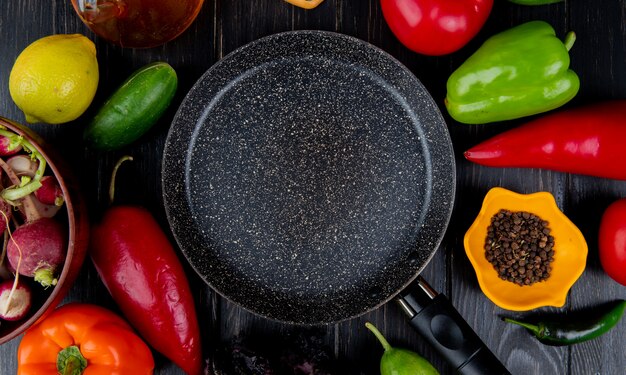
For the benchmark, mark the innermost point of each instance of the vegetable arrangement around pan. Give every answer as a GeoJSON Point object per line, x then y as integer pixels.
{"type": "Point", "coordinates": [516, 244]}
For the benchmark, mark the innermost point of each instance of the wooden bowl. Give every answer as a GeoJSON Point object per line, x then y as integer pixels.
{"type": "Point", "coordinates": [45, 300]}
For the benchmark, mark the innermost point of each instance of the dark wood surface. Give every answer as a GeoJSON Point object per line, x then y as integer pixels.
{"type": "Point", "coordinates": [599, 57]}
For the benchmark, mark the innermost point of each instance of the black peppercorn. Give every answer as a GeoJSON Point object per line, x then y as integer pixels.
{"type": "Point", "coordinates": [520, 247]}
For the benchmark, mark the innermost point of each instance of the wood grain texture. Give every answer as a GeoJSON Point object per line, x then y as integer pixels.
{"type": "Point", "coordinates": [599, 57]}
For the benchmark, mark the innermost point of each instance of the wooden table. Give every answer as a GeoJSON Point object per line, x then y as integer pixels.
{"type": "Point", "coordinates": [599, 58]}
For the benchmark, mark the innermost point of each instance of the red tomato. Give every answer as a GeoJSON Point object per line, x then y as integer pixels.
{"type": "Point", "coordinates": [435, 27]}
{"type": "Point", "coordinates": [612, 241]}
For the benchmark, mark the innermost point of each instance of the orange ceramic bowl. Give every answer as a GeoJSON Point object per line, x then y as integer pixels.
{"type": "Point", "coordinates": [570, 252]}
{"type": "Point", "coordinates": [45, 300]}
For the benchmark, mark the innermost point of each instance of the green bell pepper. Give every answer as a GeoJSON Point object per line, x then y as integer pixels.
{"type": "Point", "coordinates": [519, 72]}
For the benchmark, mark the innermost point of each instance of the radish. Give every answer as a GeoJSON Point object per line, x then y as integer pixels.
{"type": "Point", "coordinates": [42, 210]}
{"type": "Point", "coordinates": [37, 249]}
{"type": "Point", "coordinates": [23, 165]}
{"type": "Point", "coordinates": [50, 192]}
{"type": "Point", "coordinates": [8, 146]}
{"type": "Point", "coordinates": [14, 303]}
{"type": "Point", "coordinates": [29, 206]}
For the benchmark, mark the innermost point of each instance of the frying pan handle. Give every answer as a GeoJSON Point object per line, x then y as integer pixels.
{"type": "Point", "coordinates": [434, 317]}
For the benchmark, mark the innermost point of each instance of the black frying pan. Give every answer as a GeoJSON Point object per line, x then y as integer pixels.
{"type": "Point", "coordinates": [309, 177]}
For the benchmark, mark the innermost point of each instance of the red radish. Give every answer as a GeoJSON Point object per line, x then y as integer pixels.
{"type": "Point", "coordinates": [23, 165]}
{"type": "Point", "coordinates": [44, 210]}
{"type": "Point", "coordinates": [14, 304]}
{"type": "Point", "coordinates": [7, 147]}
{"type": "Point", "coordinates": [39, 247]}
{"type": "Point", "coordinates": [50, 192]}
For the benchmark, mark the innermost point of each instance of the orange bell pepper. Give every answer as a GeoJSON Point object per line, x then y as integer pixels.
{"type": "Point", "coordinates": [83, 339]}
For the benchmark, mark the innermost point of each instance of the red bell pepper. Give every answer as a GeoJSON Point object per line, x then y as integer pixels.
{"type": "Point", "coordinates": [587, 140]}
{"type": "Point", "coordinates": [140, 269]}
{"type": "Point", "coordinates": [435, 27]}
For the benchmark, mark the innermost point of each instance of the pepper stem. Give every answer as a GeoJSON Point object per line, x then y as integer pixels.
{"type": "Point", "coordinates": [570, 38]}
{"type": "Point", "coordinates": [379, 336]}
{"type": "Point", "coordinates": [71, 361]}
{"type": "Point", "coordinates": [531, 327]}
{"type": "Point", "coordinates": [114, 174]}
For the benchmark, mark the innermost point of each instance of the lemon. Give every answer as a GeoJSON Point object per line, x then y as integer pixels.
{"type": "Point", "coordinates": [55, 78]}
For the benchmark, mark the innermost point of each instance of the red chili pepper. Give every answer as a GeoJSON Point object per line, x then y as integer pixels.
{"type": "Point", "coordinates": [587, 140]}
{"type": "Point", "coordinates": [140, 269]}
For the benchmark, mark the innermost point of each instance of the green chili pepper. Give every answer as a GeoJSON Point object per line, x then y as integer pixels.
{"type": "Point", "coordinates": [535, 2]}
{"type": "Point", "coordinates": [517, 73]}
{"type": "Point", "coordinates": [401, 361]}
{"type": "Point", "coordinates": [560, 333]}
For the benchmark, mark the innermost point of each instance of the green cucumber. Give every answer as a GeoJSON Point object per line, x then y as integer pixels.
{"type": "Point", "coordinates": [133, 108]}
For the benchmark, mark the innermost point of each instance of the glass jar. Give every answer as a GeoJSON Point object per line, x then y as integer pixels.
{"type": "Point", "coordinates": [138, 23]}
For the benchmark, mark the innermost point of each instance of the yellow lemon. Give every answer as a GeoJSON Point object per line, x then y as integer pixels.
{"type": "Point", "coordinates": [55, 78]}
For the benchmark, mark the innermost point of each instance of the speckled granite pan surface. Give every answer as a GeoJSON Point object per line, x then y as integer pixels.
{"type": "Point", "coordinates": [308, 176]}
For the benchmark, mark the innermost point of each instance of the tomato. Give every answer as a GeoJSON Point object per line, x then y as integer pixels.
{"type": "Point", "coordinates": [435, 27]}
{"type": "Point", "coordinates": [612, 241]}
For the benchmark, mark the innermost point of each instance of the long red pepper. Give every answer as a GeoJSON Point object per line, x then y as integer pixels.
{"type": "Point", "coordinates": [587, 140]}
{"type": "Point", "coordinates": [140, 269]}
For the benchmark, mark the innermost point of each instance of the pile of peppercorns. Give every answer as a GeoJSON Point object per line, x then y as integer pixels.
{"type": "Point", "coordinates": [520, 247]}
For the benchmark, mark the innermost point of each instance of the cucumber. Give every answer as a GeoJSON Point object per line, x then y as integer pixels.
{"type": "Point", "coordinates": [133, 108]}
